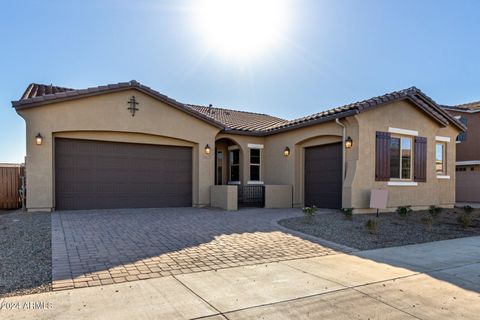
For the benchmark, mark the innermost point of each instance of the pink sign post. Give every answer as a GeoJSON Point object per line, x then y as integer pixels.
{"type": "Point", "coordinates": [378, 199]}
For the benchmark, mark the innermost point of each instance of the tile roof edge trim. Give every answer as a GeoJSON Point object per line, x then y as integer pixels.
{"type": "Point", "coordinates": [413, 94]}
{"type": "Point", "coordinates": [344, 114]}
{"type": "Point", "coordinates": [457, 109]}
{"type": "Point", "coordinates": [51, 99]}
{"type": "Point", "coordinates": [450, 119]}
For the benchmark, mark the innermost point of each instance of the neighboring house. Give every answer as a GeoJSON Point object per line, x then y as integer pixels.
{"type": "Point", "coordinates": [468, 151]}
{"type": "Point", "coordinates": [126, 145]}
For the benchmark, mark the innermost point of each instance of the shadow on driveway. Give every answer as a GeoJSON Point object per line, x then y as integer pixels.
{"type": "Point", "coordinates": [97, 247]}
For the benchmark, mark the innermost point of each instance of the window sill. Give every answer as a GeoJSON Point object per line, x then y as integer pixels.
{"type": "Point", "coordinates": [234, 182]}
{"type": "Point", "coordinates": [402, 183]}
{"type": "Point", "coordinates": [255, 182]}
{"type": "Point", "coordinates": [443, 177]}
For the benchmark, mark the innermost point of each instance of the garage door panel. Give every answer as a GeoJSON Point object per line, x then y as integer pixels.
{"type": "Point", "coordinates": [99, 175]}
{"type": "Point", "coordinates": [323, 176]}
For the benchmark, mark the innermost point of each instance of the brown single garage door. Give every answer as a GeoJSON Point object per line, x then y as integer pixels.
{"type": "Point", "coordinates": [101, 175]}
{"type": "Point", "coordinates": [323, 176]}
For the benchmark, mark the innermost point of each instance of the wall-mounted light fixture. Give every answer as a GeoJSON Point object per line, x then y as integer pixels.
{"type": "Point", "coordinates": [286, 152]}
{"type": "Point", "coordinates": [348, 142]}
{"type": "Point", "coordinates": [208, 150]}
{"type": "Point", "coordinates": [39, 139]}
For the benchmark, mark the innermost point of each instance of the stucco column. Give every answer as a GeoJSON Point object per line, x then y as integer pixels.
{"type": "Point", "coordinates": [39, 171]}
{"type": "Point", "coordinates": [205, 173]}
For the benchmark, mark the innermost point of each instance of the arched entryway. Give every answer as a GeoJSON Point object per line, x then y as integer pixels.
{"type": "Point", "coordinates": [228, 162]}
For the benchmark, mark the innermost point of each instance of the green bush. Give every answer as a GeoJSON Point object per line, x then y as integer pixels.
{"type": "Point", "coordinates": [435, 211]}
{"type": "Point", "coordinates": [404, 211]}
{"type": "Point", "coordinates": [372, 226]}
{"type": "Point", "coordinates": [467, 209]}
{"type": "Point", "coordinates": [464, 220]}
{"type": "Point", "coordinates": [348, 213]}
{"type": "Point", "coordinates": [309, 213]}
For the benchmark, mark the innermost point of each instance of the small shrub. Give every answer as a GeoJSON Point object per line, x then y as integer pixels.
{"type": "Point", "coordinates": [435, 211]}
{"type": "Point", "coordinates": [348, 213]}
{"type": "Point", "coordinates": [464, 220]}
{"type": "Point", "coordinates": [427, 221]}
{"type": "Point", "coordinates": [404, 211]}
{"type": "Point", "coordinates": [372, 226]}
{"type": "Point", "coordinates": [467, 209]}
{"type": "Point", "coordinates": [309, 213]}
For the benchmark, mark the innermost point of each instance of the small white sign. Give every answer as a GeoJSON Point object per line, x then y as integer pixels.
{"type": "Point", "coordinates": [378, 199]}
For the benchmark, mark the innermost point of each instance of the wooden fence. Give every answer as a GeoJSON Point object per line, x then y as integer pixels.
{"type": "Point", "coordinates": [11, 186]}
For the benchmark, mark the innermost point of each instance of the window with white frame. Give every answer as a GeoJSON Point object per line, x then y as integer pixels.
{"type": "Point", "coordinates": [255, 164]}
{"type": "Point", "coordinates": [440, 148]}
{"type": "Point", "coordinates": [401, 154]}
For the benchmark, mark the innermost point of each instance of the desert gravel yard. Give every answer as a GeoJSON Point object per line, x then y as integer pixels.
{"type": "Point", "coordinates": [25, 253]}
{"type": "Point", "coordinates": [392, 229]}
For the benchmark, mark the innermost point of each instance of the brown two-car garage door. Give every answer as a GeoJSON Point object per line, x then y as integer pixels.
{"type": "Point", "coordinates": [323, 176]}
{"type": "Point", "coordinates": [100, 175]}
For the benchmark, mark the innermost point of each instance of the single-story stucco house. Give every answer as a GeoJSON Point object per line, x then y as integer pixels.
{"type": "Point", "coordinates": [126, 146]}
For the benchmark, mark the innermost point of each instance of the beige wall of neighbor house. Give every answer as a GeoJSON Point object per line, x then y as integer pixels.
{"type": "Point", "coordinates": [437, 190]}
{"type": "Point", "coordinates": [469, 149]}
{"type": "Point", "coordinates": [105, 117]}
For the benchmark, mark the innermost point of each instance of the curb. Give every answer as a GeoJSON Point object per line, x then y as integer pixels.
{"type": "Point", "coordinates": [327, 243]}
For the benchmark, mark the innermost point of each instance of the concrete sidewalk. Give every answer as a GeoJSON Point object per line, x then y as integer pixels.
{"type": "Point", "coordinates": [439, 280]}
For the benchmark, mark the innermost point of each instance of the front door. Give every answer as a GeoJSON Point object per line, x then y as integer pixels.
{"type": "Point", "coordinates": [219, 167]}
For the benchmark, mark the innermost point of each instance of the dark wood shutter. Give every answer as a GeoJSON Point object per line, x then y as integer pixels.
{"type": "Point", "coordinates": [420, 159]}
{"type": "Point", "coordinates": [382, 156]}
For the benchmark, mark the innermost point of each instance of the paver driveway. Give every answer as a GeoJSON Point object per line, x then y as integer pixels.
{"type": "Point", "coordinates": [99, 247]}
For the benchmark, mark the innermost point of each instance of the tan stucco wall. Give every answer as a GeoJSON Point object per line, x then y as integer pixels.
{"type": "Point", "coordinates": [360, 159]}
{"type": "Point", "coordinates": [401, 115]}
{"type": "Point", "coordinates": [105, 117]}
{"type": "Point", "coordinates": [278, 196]}
{"type": "Point", "coordinates": [224, 197]}
{"type": "Point", "coordinates": [281, 170]}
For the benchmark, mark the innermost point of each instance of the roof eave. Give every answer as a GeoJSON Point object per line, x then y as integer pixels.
{"type": "Point", "coordinates": [332, 117]}
{"type": "Point", "coordinates": [449, 118]}
{"type": "Point", "coordinates": [61, 97]}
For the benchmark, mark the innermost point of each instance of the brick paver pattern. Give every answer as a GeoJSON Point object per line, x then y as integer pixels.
{"type": "Point", "coordinates": [100, 247]}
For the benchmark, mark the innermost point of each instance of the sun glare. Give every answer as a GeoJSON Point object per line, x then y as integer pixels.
{"type": "Point", "coordinates": [241, 28]}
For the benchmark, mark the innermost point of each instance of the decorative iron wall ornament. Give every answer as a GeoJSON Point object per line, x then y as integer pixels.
{"type": "Point", "coordinates": [133, 105]}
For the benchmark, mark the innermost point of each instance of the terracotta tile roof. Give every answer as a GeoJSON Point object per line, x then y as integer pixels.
{"type": "Point", "coordinates": [471, 106]}
{"type": "Point", "coordinates": [413, 94]}
{"type": "Point", "coordinates": [35, 98]}
{"type": "Point", "coordinates": [37, 90]}
{"type": "Point", "coordinates": [239, 121]}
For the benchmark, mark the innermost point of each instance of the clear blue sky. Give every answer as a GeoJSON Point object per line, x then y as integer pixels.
{"type": "Point", "coordinates": [335, 52]}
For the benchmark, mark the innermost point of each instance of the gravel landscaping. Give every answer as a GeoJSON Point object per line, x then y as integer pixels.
{"type": "Point", "coordinates": [392, 229]}
{"type": "Point", "coordinates": [25, 253]}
